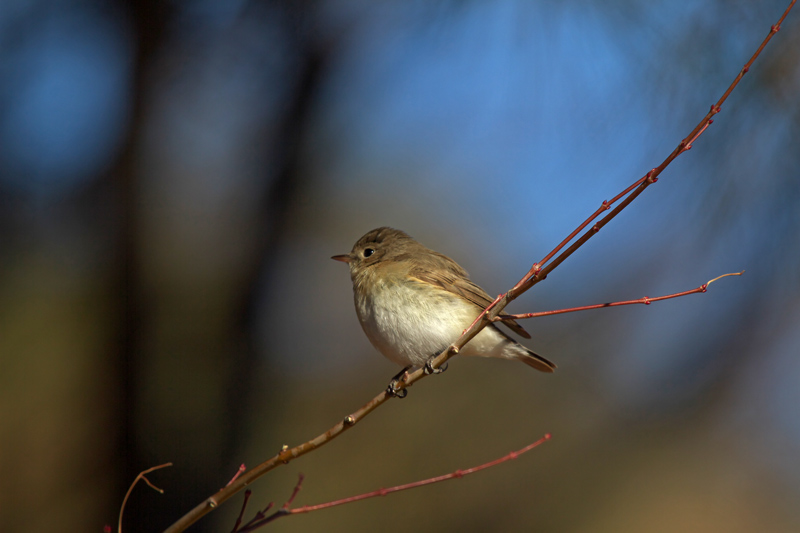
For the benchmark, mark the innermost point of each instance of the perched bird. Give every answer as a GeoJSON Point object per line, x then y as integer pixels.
{"type": "Point", "coordinates": [413, 302]}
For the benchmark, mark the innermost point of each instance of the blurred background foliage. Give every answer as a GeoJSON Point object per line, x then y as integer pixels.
{"type": "Point", "coordinates": [175, 175]}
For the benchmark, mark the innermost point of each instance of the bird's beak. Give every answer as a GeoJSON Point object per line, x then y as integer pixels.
{"type": "Point", "coordinates": [345, 258]}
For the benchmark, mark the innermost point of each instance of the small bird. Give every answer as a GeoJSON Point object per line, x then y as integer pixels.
{"type": "Point", "coordinates": [413, 302]}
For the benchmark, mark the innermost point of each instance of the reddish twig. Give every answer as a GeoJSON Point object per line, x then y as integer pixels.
{"type": "Point", "coordinates": [537, 273]}
{"type": "Point", "coordinates": [130, 489]}
{"type": "Point", "coordinates": [286, 511]}
{"type": "Point", "coordinates": [430, 481]}
{"type": "Point", "coordinates": [646, 300]}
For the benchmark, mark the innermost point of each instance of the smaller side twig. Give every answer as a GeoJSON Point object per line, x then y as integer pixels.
{"type": "Point", "coordinates": [453, 475]}
{"type": "Point", "coordinates": [238, 473]}
{"type": "Point", "coordinates": [261, 520]}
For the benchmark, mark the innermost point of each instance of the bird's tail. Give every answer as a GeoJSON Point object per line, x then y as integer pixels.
{"type": "Point", "coordinates": [535, 360]}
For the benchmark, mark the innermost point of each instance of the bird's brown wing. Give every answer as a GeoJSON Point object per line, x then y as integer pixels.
{"type": "Point", "coordinates": [443, 272]}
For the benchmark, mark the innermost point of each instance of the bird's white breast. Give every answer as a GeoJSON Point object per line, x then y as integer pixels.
{"type": "Point", "coordinates": [409, 321]}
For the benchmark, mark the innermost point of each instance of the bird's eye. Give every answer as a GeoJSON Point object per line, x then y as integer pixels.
{"type": "Point", "coordinates": [368, 252]}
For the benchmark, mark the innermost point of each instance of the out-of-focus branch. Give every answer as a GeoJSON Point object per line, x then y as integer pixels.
{"type": "Point", "coordinates": [537, 273]}
{"type": "Point", "coordinates": [261, 519]}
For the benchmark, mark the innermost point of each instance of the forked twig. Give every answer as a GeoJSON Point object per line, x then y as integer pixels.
{"type": "Point", "coordinates": [261, 519]}
{"type": "Point", "coordinates": [142, 476]}
{"type": "Point", "coordinates": [537, 273]}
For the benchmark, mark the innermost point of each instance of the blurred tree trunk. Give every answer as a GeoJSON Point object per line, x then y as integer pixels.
{"type": "Point", "coordinates": [161, 348]}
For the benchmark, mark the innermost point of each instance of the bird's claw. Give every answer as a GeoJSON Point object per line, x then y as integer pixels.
{"type": "Point", "coordinates": [392, 389]}
{"type": "Point", "coordinates": [394, 392]}
{"type": "Point", "coordinates": [428, 369]}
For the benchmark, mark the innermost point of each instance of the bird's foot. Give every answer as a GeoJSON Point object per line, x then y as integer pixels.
{"type": "Point", "coordinates": [393, 390]}
{"type": "Point", "coordinates": [428, 368]}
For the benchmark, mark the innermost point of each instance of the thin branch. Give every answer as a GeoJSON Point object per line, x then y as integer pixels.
{"type": "Point", "coordinates": [646, 300]}
{"type": "Point", "coordinates": [430, 481]}
{"type": "Point", "coordinates": [286, 511]}
{"type": "Point", "coordinates": [130, 489]}
{"type": "Point", "coordinates": [537, 273]}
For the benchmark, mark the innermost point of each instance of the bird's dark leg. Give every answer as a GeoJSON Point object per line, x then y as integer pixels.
{"type": "Point", "coordinates": [392, 389]}
{"type": "Point", "coordinates": [429, 367]}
